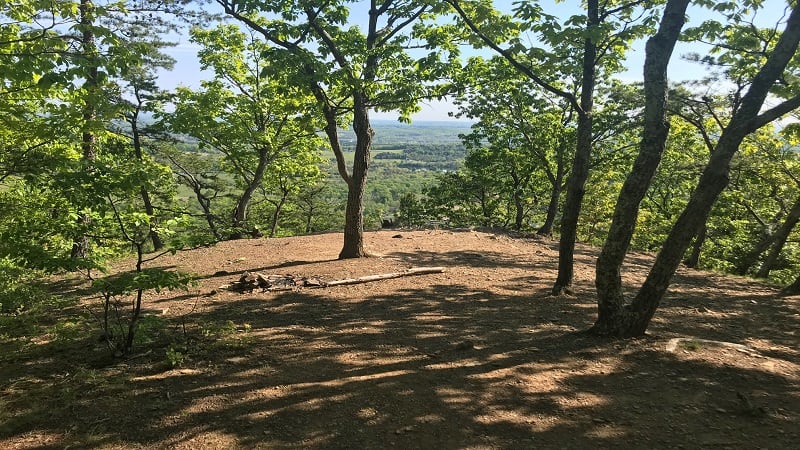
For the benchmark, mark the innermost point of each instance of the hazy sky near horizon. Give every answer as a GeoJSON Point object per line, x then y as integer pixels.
{"type": "Point", "coordinates": [187, 71]}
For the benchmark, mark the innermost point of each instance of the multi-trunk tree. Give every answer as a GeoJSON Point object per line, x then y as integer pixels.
{"type": "Point", "coordinates": [758, 70]}
{"type": "Point", "coordinates": [251, 113]}
{"type": "Point", "coordinates": [527, 133]}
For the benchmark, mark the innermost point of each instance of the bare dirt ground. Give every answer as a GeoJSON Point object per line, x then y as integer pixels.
{"type": "Point", "coordinates": [477, 357]}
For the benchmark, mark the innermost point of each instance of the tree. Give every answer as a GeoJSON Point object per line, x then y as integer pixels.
{"type": "Point", "coordinates": [138, 95]}
{"type": "Point", "coordinates": [78, 207]}
{"type": "Point", "coordinates": [350, 69]}
{"type": "Point", "coordinates": [251, 113]}
{"type": "Point", "coordinates": [201, 174]}
{"type": "Point", "coordinates": [614, 316]}
{"type": "Point", "coordinates": [602, 35]}
{"type": "Point", "coordinates": [287, 178]}
{"type": "Point", "coordinates": [527, 131]}
{"type": "Point", "coordinates": [465, 198]}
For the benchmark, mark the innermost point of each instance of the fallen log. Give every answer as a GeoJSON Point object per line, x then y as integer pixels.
{"type": "Point", "coordinates": [385, 276]}
{"type": "Point", "coordinates": [249, 281]}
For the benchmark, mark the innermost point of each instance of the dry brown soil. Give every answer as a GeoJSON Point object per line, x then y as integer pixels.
{"type": "Point", "coordinates": [477, 357]}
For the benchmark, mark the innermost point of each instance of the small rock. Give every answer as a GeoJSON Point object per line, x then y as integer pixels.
{"type": "Point", "coordinates": [397, 236]}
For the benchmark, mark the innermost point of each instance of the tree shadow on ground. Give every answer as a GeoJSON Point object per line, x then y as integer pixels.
{"type": "Point", "coordinates": [434, 366]}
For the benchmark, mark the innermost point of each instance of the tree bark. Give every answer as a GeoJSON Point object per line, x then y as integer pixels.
{"type": "Point", "coordinates": [576, 185]}
{"type": "Point", "coordinates": [714, 179]}
{"type": "Point", "coordinates": [693, 261]}
{"type": "Point", "coordinates": [780, 238]}
{"type": "Point", "coordinates": [552, 208]}
{"type": "Point", "coordinates": [611, 317]}
{"type": "Point", "coordinates": [353, 246]}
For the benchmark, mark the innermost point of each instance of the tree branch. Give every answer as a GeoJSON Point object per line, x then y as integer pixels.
{"type": "Point", "coordinates": [513, 61]}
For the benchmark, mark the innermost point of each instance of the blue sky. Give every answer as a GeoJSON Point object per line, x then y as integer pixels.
{"type": "Point", "coordinates": [187, 69]}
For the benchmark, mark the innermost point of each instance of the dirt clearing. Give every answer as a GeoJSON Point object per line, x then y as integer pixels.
{"type": "Point", "coordinates": [476, 357]}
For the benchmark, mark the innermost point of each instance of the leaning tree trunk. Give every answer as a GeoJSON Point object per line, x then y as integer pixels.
{"type": "Point", "coordinates": [780, 240]}
{"type": "Point", "coordinates": [576, 186]}
{"type": "Point", "coordinates": [711, 184]}
{"type": "Point", "coordinates": [273, 229]}
{"type": "Point", "coordinates": [612, 316]}
{"type": "Point", "coordinates": [552, 208]}
{"type": "Point", "coordinates": [693, 261]}
{"type": "Point", "coordinates": [354, 214]}
{"type": "Point", "coordinates": [714, 179]}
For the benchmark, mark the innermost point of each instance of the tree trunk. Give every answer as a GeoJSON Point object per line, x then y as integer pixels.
{"type": "Point", "coordinates": [353, 246]}
{"type": "Point", "coordinates": [519, 205]}
{"type": "Point", "coordinates": [519, 210]}
{"type": "Point", "coordinates": [205, 202]}
{"type": "Point", "coordinates": [576, 186]}
{"type": "Point", "coordinates": [80, 246]}
{"type": "Point", "coordinates": [309, 218]}
{"type": "Point", "coordinates": [354, 214]}
{"type": "Point", "coordinates": [780, 238]}
{"type": "Point", "coordinates": [273, 230]}
{"type": "Point", "coordinates": [714, 179]}
{"type": "Point", "coordinates": [239, 215]}
{"type": "Point", "coordinates": [552, 208]}
{"type": "Point", "coordinates": [693, 261]}
{"type": "Point", "coordinates": [158, 243]}
{"type": "Point", "coordinates": [659, 49]}
{"type": "Point", "coordinates": [205, 205]}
